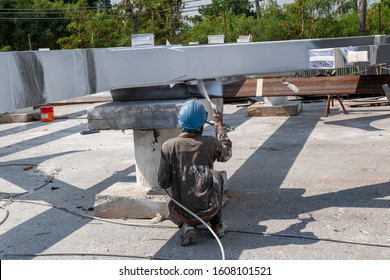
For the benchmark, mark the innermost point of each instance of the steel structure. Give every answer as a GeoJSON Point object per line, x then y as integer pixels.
{"type": "Point", "coordinates": [322, 85]}
{"type": "Point", "coordinates": [162, 65]}
{"type": "Point", "coordinates": [37, 77]}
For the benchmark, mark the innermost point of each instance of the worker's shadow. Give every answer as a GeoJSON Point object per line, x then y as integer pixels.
{"type": "Point", "coordinates": [257, 197]}
{"type": "Point", "coordinates": [253, 192]}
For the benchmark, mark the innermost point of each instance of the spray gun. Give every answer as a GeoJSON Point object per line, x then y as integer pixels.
{"type": "Point", "coordinates": [204, 93]}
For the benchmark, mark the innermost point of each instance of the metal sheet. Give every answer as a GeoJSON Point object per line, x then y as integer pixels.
{"type": "Point", "coordinates": [6, 98]}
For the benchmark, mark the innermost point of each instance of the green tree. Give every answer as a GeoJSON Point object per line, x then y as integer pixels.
{"type": "Point", "coordinates": [48, 24]}
{"type": "Point", "coordinates": [233, 7]}
{"type": "Point", "coordinates": [272, 24]}
{"type": "Point", "coordinates": [224, 17]}
{"type": "Point", "coordinates": [31, 24]}
{"type": "Point", "coordinates": [94, 27]}
{"type": "Point", "coordinates": [199, 31]}
{"type": "Point", "coordinates": [378, 18]}
{"type": "Point", "coordinates": [57, 24]}
{"type": "Point", "coordinates": [317, 18]}
{"type": "Point", "coordinates": [164, 19]}
{"type": "Point", "coordinates": [161, 17]}
{"type": "Point", "coordinates": [7, 26]}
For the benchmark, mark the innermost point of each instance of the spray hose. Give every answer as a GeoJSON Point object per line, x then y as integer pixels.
{"type": "Point", "coordinates": [200, 220]}
{"type": "Point", "coordinates": [203, 91]}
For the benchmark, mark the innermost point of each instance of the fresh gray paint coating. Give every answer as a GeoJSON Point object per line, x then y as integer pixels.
{"type": "Point", "coordinates": [30, 78]}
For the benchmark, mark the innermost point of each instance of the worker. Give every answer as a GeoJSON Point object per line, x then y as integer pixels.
{"type": "Point", "coordinates": [187, 168]}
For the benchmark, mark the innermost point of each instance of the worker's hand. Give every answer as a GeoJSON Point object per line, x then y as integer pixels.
{"type": "Point", "coordinates": [217, 118]}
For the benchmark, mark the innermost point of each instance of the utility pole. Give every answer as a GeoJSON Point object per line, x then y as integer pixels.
{"type": "Point", "coordinates": [257, 5]}
{"type": "Point", "coordinates": [132, 12]}
{"type": "Point", "coordinates": [379, 18]}
{"type": "Point", "coordinates": [29, 41]}
{"type": "Point", "coordinates": [362, 6]}
{"type": "Point", "coordinates": [224, 25]}
{"type": "Point", "coordinates": [303, 23]}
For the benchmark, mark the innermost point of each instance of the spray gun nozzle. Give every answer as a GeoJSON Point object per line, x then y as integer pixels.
{"type": "Point", "coordinates": [203, 91]}
{"type": "Point", "coordinates": [214, 107]}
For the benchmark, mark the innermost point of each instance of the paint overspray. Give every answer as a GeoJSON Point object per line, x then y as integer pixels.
{"type": "Point", "coordinates": [204, 93]}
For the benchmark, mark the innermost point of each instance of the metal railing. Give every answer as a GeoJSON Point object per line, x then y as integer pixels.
{"type": "Point", "coordinates": [378, 69]}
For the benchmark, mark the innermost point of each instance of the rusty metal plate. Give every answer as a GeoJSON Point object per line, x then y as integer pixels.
{"type": "Point", "coordinates": [324, 85]}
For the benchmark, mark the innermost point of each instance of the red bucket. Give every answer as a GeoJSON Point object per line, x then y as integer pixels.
{"type": "Point", "coordinates": [47, 113]}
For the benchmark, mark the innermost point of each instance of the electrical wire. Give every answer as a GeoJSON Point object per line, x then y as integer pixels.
{"type": "Point", "coordinates": [55, 9]}
{"type": "Point", "coordinates": [174, 227]}
{"type": "Point", "coordinates": [6, 214]}
{"type": "Point", "coordinates": [93, 217]}
{"type": "Point", "coordinates": [20, 194]}
{"type": "Point", "coordinates": [51, 11]}
{"type": "Point", "coordinates": [79, 254]}
{"type": "Point", "coordinates": [63, 18]}
{"type": "Point", "coordinates": [171, 227]}
{"type": "Point", "coordinates": [10, 197]}
{"type": "Point", "coordinates": [295, 236]}
{"type": "Point", "coordinates": [200, 220]}
{"type": "Point", "coordinates": [10, 200]}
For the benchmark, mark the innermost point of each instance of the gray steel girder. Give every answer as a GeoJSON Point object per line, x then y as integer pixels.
{"type": "Point", "coordinates": [162, 65]}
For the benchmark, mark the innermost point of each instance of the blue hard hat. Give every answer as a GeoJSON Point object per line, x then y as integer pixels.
{"type": "Point", "coordinates": [192, 116]}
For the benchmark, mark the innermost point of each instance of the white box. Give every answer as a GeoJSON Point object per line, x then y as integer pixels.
{"type": "Point", "coordinates": [216, 39]}
{"type": "Point", "coordinates": [357, 56]}
{"type": "Point", "coordinates": [141, 40]}
{"type": "Point", "coordinates": [330, 58]}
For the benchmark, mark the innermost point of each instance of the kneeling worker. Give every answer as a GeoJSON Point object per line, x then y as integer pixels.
{"type": "Point", "coordinates": [187, 168]}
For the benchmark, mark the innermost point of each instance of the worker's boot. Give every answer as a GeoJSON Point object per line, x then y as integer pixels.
{"type": "Point", "coordinates": [219, 229]}
{"type": "Point", "coordinates": [187, 235]}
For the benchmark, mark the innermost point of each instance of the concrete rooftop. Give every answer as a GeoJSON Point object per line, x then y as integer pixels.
{"type": "Point", "coordinates": [299, 188]}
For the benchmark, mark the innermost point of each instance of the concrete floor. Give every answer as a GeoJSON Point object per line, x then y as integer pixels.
{"type": "Point", "coordinates": [300, 188]}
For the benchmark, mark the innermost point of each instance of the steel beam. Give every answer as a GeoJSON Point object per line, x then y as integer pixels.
{"type": "Point", "coordinates": [35, 77]}
{"type": "Point", "coordinates": [162, 65]}
{"type": "Point", "coordinates": [322, 86]}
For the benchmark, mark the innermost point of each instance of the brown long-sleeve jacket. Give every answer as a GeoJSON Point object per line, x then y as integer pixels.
{"type": "Point", "coordinates": [187, 168]}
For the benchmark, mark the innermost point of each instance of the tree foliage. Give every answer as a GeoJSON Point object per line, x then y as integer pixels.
{"type": "Point", "coordinates": [218, 7]}
{"type": "Point", "coordinates": [56, 24]}
{"type": "Point", "coordinates": [96, 26]}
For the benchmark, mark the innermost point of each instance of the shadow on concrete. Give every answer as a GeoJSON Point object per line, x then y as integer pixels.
{"type": "Point", "coordinates": [21, 127]}
{"type": "Point", "coordinates": [25, 174]}
{"type": "Point", "coordinates": [44, 230]}
{"type": "Point", "coordinates": [38, 124]}
{"type": "Point", "coordinates": [254, 189]}
{"type": "Point", "coordinates": [363, 123]}
{"type": "Point", "coordinates": [256, 196]}
{"type": "Point", "coordinates": [37, 141]}
{"type": "Point", "coordinates": [36, 234]}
